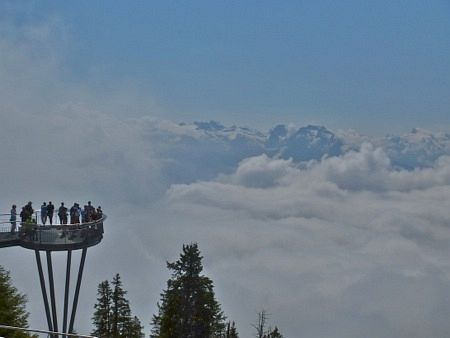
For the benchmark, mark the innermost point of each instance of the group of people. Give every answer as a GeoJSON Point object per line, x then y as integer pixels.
{"type": "Point", "coordinates": [88, 214]}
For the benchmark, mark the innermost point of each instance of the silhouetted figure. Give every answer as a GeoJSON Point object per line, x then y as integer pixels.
{"type": "Point", "coordinates": [99, 212]}
{"type": "Point", "coordinates": [99, 215]}
{"type": "Point", "coordinates": [93, 214]}
{"type": "Point", "coordinates": [62, 213]}
{"type": "Point", "coordinates": [90, 212]}
{"type": "Point", "coordinates": [29, 210]}
{"type": "Point", "coordinates": [25, 214]}
{"type": "Point", "coordinates": [13, 218]}
{"type": "Point", "coordinates": [44, 213]}
{"type": "Point", "coordinates": [84, 214]}
{"type": "Point", "coordinates": [50, 211]}
{"type": "Point", "coordinates": [75, 212]}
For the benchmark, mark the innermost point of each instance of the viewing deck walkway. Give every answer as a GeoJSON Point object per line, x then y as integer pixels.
{"type": "Point", "coordinates": [58, 237]}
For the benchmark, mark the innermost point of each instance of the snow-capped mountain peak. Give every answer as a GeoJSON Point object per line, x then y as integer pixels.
{"type": "Point", "coordinates": [305, 143]}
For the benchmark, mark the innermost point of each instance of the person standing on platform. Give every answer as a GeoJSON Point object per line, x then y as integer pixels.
{"type": "Point", "coordinates": [13, 218]}
{"type": "Point", "coordinates": [50, 211]}
{"type": "Point", "coordinates": [23, 215]}
{"type": "Point", "coordinates": [72, 214]}
{"type": "Point", "coordinates": [75, 214]}
{"type": "Point", "coordinates": [29, 211]}
{"type": "Point", "coordinates": [90, 212]}
{"type": "Point", "coordinates": [62, 213]}
{"type": "Point", "coordinates": [99, 212]}
{"type": "Point", "coordinates": [99, 215]}
{"type": "Point", "coordinates": [44, 213]}
{"type": "Point", "coordinates": [84, 214]}
{"type": "Point", "coordinates": [93, 214]}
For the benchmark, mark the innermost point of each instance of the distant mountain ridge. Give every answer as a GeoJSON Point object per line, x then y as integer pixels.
{"type": "Point", "coordinates": [303, 144]}
{"type": "Point", "coordinates": [415, 149]}
{"type": "Point", "coordinates": [205, 149]}
{"type": "Point", "coordinates": [419, 148]}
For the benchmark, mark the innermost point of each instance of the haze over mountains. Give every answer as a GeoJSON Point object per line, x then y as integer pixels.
{"type": "Point", "coordinates": [205, 149]}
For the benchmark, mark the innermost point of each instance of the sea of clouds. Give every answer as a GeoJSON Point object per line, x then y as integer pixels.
{"type": "Point", "coordinates": [341, 246]}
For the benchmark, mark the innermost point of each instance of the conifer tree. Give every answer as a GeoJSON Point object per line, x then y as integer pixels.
{"type": "Point", "coordinates": [134, 329]}
{"type": "Point", "coordinates": [112, 317]}
{"type": "Point", "coordinates": [231, 331]}
{"type": "Point", "coordinates": [275, 333]}
{"type": "Point", "coordinates": [102, 314]}
{"type": "Point", "coordinates": [12, 307]}
{"type": "Point", "coordinates": [188, 307]}
{"type": "Point", "coordinates": [120, 307]}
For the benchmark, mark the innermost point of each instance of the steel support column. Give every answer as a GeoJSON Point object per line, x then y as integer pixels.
{"type": "Point", "coordinates": [52, 290]}
{"type": "Point", "coordinates": [66, 293]}
{"type": "Point", "coordinates": [44, 291]}
{"type": "Point", "coordinates": [77, 290]}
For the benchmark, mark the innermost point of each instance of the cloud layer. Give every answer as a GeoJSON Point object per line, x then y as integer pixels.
{"type": "Point", "coordinates": [345, 247]}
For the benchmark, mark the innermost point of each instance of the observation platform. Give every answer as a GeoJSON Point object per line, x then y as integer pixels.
{"type": "Point", "coordinates": [57, 237]}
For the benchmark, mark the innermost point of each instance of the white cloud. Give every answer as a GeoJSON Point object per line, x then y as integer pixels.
{"type": "Point", "coordinates": [345, 245]}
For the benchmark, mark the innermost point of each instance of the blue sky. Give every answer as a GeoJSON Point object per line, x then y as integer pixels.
{"type": "Point", "coordinates": [378, 66]}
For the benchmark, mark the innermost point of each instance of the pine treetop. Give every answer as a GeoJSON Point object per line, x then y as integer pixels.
{"type": "Point", "coordinates": [12, 307]}
{"type": "Point", "coordinates": [189, 263]}
{"type": "Point", "coordinates": [112, 317]}
{"type": "Point", "coordinates": [188, 307]}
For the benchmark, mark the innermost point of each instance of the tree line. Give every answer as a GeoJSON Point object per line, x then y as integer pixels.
{"type": "Point", "coordinates": [187, 307]}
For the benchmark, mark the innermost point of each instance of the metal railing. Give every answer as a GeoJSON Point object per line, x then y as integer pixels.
{"type": "Point", "coordinates": [22, 329]}
{"type": "Point", "coordinates": [36, 217]}
{"type": "Point", "coordinates": [56, 233]}
{"type": "Point", "coordinates": [5, 219]}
